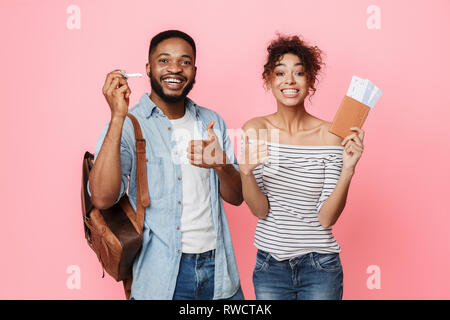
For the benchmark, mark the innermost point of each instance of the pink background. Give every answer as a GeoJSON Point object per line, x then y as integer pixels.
{"type": "Point", "coordinates": [53, 110]}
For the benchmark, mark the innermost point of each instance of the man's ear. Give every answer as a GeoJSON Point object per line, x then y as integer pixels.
{"type": "Point", "coordinates": [147, 68]}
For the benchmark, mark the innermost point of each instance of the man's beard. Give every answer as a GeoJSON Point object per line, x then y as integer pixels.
{"type": "Point", "coordinates": [170, 98]}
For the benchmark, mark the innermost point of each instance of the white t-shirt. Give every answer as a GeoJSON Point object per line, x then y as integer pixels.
{"type": "Point", "coordinates": [197, 226]}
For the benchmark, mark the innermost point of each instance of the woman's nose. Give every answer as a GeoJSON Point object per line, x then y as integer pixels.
{"type": "Point", "coordinates": [290, 80]}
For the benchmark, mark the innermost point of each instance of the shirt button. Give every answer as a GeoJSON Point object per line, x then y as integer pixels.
{"type": "Point", "coordinates": [179, 202]}
{"type": "Point", "coordinates": [169, 128]}
{"type": "Point", "coordinates": [178, 228]}
{"type": "Point", "coordinates": [179, 251]}
{"type": "Point", "coordinates": [179, 178]}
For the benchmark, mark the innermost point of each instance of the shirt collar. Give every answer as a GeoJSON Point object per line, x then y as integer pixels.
{"type": "Point", "coordinates": [149, 107]}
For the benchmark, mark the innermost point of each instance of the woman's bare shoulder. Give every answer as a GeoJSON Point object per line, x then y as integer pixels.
{"type": "Point", "coordinates": [255, 123]}
{"type": "Point", "coordinates": [330, 138]}
{"type": "Point", "coordinates": [256, 128]}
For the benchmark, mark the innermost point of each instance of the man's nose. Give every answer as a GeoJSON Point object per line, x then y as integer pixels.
{"type": "Point", "coordinates": [174, 67]}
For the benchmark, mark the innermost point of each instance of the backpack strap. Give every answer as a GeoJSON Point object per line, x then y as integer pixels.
{"type": "Point", "coordinates": [143, 199]}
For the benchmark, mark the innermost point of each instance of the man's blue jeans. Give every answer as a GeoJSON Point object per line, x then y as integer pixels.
{"type": "Point", "coordinates": [312, 276]}
{"type": "Point", "coordinates": [195, 279]}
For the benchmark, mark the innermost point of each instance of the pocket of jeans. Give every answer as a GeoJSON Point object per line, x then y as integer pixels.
{"type": "Point", "coordinates": [262, 261]}
{"type": "Point", "coordinates": [329, 262]}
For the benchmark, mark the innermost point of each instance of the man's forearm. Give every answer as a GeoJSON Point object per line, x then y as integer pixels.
{"type": "Point", "coordinates": [335, 204]}
{"type": "Point", "coordinates": [230, 186]}
{"type": "Point", "coordinates": [105, 177]}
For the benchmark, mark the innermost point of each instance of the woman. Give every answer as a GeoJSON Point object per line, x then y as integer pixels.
{"type": "Point", "coordinates": [295, 178]}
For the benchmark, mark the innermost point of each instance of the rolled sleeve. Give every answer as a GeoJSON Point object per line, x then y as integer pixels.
{"type": "Point", "coordinates": [126, 160]}
{"type": "Point", "coordinates": [333, 168]}
{"type": "Point", "coordinates": [228, 146]}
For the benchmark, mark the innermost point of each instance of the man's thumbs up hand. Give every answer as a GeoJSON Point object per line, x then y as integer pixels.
{"type": "Point", "coordinates": [206, 153]}
{"type": "Point", "coordinates": [211, 135]}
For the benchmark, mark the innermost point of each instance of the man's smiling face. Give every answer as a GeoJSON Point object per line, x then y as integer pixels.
{"type": "Point", "coordinates": [172, 70]}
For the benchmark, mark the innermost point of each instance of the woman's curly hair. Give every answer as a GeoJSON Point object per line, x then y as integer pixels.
{"type": "Point", "coordinates": [310, 56]}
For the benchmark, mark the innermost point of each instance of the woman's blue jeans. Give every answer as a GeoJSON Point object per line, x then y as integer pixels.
{"type": "Point", "coordinates": [312, 276]}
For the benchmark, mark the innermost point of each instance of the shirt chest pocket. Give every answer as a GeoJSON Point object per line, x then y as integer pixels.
{"type": "Point", "coordinates": [156, 177]}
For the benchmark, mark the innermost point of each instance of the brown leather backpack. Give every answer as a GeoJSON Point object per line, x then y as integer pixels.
{"type": "Point", "coordinates": [115, 234]}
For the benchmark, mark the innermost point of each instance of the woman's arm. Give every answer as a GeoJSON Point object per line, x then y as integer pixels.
{"type": "Point", "coordinates": [334, 205]}
{"type": "Point", "coordinates": [252, 155]}
{"type": "Point", "coordinates": [255, 199]}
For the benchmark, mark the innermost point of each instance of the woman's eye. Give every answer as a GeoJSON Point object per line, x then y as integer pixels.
{"type": "Point", "coordinates": [300, 73]}
{"type": "Point", "coordinates": [279, 74]}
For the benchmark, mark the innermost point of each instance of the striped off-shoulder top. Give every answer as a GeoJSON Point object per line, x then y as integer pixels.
{"type": "Point", "coordinates": [297, 180]}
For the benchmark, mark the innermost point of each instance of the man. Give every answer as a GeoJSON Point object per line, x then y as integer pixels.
{"type": "Point", "coordinates": [187, 251]}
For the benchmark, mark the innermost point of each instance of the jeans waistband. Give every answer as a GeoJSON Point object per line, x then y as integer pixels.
{"type": "Point", "coordinates": [207, 254]}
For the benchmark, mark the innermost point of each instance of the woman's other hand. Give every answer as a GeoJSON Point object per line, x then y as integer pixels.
{"type": "Point", "coordinates": [253, 154]}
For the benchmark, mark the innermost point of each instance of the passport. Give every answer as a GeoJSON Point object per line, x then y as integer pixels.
{"type": "Point", "coordinates": [361, 96]}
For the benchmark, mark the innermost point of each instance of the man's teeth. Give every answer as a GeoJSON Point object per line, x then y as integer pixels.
{"type": "Point", "coordinates": [289, 91]}
{"type": "Point", "coordinates": [172, 80]}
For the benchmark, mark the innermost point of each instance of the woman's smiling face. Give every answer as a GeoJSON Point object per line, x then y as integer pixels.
{"type": "Point", "coordinates": [288, 81]}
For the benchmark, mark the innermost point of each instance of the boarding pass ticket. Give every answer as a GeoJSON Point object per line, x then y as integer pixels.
{"type": "Point", "coordinates": [364, 91]}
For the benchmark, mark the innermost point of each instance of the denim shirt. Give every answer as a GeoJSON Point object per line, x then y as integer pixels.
{"type": "Point", "coordinates": [155, 269]}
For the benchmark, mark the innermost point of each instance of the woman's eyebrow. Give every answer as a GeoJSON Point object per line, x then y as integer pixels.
{"type": "Point", "coordinates": [283, 65]}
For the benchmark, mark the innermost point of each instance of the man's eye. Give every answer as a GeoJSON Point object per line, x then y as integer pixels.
{"type": "Point", "coordinates": [185, 62]}
{"type": "Point", "coordinates": [163, 60]}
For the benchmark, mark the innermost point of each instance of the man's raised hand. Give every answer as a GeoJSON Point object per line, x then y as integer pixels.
{"type": "Point", "coordinates": [117, 93]}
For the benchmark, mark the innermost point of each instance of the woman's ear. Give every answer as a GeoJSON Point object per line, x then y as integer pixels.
{"type": "Point", "coordinates": [267, 83]}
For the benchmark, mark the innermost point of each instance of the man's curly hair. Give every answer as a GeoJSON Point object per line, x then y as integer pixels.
{"type": "Point", "coordinates": [310, 56]}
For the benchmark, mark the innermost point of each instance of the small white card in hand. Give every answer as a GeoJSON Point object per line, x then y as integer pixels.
{"type": "Point", "coordinates": [130, 75]}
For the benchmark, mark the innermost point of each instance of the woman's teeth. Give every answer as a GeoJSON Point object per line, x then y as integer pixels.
{"type": "Point", "coordinates": [289, 91]}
